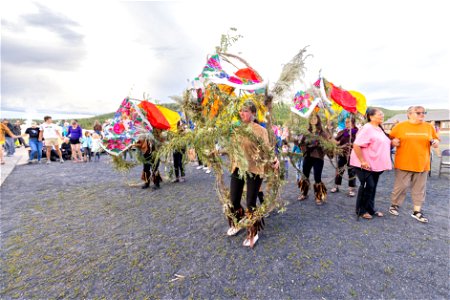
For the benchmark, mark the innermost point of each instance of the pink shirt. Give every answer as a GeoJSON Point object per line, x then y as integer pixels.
{"type": "Point", "coordinates": [375, 147]}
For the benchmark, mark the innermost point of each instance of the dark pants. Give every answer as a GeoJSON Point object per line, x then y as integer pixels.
{"type": "Point", "coordinates": [342, 162]}
{"type": "Point", "coordinates": [317, 164]}
{"type": "Point", "coordinates": [365, 201]}
{"type": "Point", "coordinates": [237, 187]}
{"type": "Point", "coordinates": [87, 153]}
{"type": "Point", "coordinates": [178, 163]}
{"type": "Point", "coordinates": [22, 142]}
{"type": "Point", "coordinates": [150, 168]}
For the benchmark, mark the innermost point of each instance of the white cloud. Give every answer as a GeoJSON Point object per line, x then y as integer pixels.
{"type": "Point", "coordinates": [87, 56]}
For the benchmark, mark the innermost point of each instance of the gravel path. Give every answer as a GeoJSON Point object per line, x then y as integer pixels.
{"type": "Point", "coordinates": [84, 231]}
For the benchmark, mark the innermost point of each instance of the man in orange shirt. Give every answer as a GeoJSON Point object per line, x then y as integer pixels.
{"type": "Point", "coordinates": [412, 138]}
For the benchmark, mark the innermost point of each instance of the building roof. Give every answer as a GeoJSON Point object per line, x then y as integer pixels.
{"type": "Point", "coordinates": [432, 115]}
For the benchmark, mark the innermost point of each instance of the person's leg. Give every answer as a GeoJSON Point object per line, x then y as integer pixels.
{"type": "Point", "coordinates": [39, 151]}
{"type": "Point", "coordinates": [372, 182]}
{"type": "Point", "coordinates": [341, 162]}
{"type": "Point", "coordinates": [74, 153]}
{"type": "Point", "coordinates": [351, 176]}
{"type": "Point", "coordinates": [361, 197]}
{"type": "Point", "coordinates": [11, 148]}
{"type": "Point", "coordinates": [253, 184]}
{"type": "Point", "coordinates": [320, 189]}
{"type": "Point", "coordinates": [48, 149]}
{"type": "Point", "coordinates": [176, 164]}
{"type": "Point", "coordinates": [303, 184]}
{"type": "Point", "coordinates": [2, 161]}
{"type": "Point", "coordinates": [418, 188]}
{"type": "Point", "coordinates": [236, 190]}
{"type": "Point", "coordinates": [34, 148]}
{"type": "Point", "coordinates": [78, 151]}
{"type": "Point", "coordinates": [401, 183]}
{"type": "Point", "coordinates": [317, 164]}
{"type": "Point", "coordinates": [146, 175]}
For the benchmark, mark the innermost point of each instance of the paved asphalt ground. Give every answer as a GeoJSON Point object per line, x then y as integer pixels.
{"type": "Point", "coordinates": [84, 231]}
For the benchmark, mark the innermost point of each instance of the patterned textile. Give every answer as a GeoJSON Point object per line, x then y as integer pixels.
{"type": "Point", "coordinates": [125, 127]}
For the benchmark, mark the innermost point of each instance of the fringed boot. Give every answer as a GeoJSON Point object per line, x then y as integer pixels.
{"type": "Point", "coordinates": [303, 185]}
{"type": "Point", "coordinates": [146, 178]}
{"type": "Point", "coordinates": [238, 214]}
{"type": "Point", "coordinates": [320, 191]}
{"type": "Point", "coordinates": [252, 231]}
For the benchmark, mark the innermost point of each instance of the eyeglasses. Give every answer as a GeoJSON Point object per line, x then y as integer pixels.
{"type": "Point", "coordinates": [421, 112]}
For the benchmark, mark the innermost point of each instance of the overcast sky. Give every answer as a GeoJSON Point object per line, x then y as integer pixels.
{"type": "Point", "coordinates": [85, 57]}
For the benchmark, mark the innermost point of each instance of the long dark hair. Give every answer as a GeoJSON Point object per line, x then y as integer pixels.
{"type": "Point", "coordinates": [370, 112]}
{"type": "Point", "coordinates": [318, 125]}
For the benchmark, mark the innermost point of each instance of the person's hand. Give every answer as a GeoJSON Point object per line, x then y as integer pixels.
{"type": "Point", "coordinates": [395, 142]}
{"type": "Point", "coordinates": [435, 143]}
{"type": "Point", "coordinates": [276, 163]}
{"type": "Point", "coordinates": [365, 165]}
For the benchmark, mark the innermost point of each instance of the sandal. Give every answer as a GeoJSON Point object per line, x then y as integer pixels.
{"type": "Point", "coordinates": [393, 210]}
{"type": "Point", "coordinates": [419, 217]}
{"type": "Point", "coordinates": [319, 202]}
{"type": "Point", "coordinates": [334, 190]}
{"type": "Point", "coordinates": [378, 214]}
{"type": "Point", "coordinates": [233, 231]}
{"type": "Point", "coordinates": [351, 193]}
{"type": "Point", "coordinates": [366, 216]}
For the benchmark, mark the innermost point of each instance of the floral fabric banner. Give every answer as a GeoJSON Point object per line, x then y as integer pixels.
{"type": "Point", "coordinates": [124, 129]}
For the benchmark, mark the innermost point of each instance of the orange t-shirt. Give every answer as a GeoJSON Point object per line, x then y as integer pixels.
{"type": "Point", "coordinates": [413, 154]}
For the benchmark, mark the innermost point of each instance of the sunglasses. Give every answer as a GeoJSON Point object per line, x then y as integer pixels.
{"type": "Point", "coordinates": [421, 112]}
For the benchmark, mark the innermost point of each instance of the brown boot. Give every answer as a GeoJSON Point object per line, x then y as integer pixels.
{"type": "Point", "coordinates": [303, 185]}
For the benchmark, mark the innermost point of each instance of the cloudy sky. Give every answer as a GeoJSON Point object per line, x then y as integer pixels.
{"type": "Point", "coordinates": [79, 57]}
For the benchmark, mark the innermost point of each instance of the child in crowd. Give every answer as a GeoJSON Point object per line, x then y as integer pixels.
{"type": "Point", "coordinates": [96, 146]}
{"type": "Point", "coordinates": [299, 159]}
{"type": "Point", "coordinates": [66, 149]}
{"type": "Point", "coordinates": [86, 143]}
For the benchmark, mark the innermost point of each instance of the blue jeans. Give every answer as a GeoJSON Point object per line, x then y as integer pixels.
{"type": "Point", "coordinates": [36, 146]}
{"type": "Point", "coordinates": [299, 165]}
{"type": "Point", "coordinates": [10, 146]}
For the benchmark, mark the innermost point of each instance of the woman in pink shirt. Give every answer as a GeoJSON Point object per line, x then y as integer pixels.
{"type": "Point", "coordinates": [371, 156]}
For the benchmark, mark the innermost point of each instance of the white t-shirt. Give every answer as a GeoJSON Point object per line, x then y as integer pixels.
{"type": "Point", "coordinates": [49, 130]}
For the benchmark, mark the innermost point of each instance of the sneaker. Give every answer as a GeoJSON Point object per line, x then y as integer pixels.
{"type": "Point", "coordinates": [419, 217]}
{"type": "Point", "coordinates": [205, 168]}
{"type": "Point", "coordinates": [182, 179]}
{"type": "Point", "coordinates": [30, 161]}
{"type": "Point", "coordinates": [233, 231]}
{"type": "Point", "coordinates": [48, 162]}
{"type": "Point", "coordinates": [61, 161]}
{"type": "Point", "coordinates": [199, 167]}
{"type": "Point", "coordinates": [39, 162]}
{"type": "Point", "coordinates": [175, 180]}
{"type": "Point", "coordinates": [246, 242]}
{"type": "Point", "coordinates": [208, 171]}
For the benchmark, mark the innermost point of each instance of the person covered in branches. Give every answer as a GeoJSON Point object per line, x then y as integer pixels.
{"type": "Point", "coordinates": [313, 157]}
{"type": "Point", "coordinates": [150, 170]}
{"type": "Point", "coordinates": [253, 164]}
{"type": "Point", "coordinates": [178, 159]}
{"type": "Point", "coordinates": [345, 139]}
